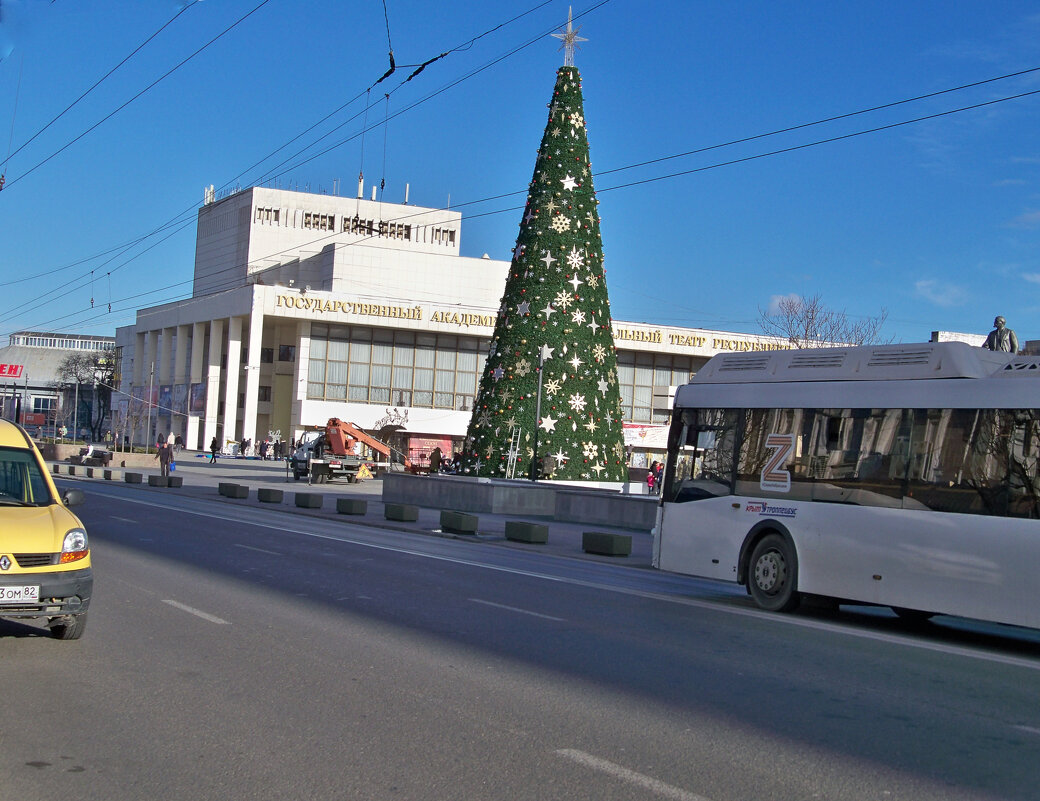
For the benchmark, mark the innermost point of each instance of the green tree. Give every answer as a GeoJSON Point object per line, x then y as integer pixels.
{"type": "Point", "coordinates": [554, 311]}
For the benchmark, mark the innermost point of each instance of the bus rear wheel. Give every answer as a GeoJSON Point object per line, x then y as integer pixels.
{"type": "Point", "coordinates": [773, 574]}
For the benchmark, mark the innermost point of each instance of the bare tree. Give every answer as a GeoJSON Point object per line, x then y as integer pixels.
{"type": "Point", "coordinates": [93, 374]}
{"type": "Point", "coordinates": [808, 323]}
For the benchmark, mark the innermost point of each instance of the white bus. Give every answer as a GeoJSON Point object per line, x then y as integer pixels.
{"type": "Point", "coordinates": [898, 475]}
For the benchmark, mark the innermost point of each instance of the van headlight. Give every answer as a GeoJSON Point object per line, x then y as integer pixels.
{"type": "Point", "coordinates": [74, 547]}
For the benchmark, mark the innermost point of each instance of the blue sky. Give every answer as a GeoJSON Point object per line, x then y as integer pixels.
{"type": "Point", "coordinates": [937, 222]}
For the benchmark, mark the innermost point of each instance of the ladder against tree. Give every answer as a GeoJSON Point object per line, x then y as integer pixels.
{"type": "Point", "coordinates": [514, 451]}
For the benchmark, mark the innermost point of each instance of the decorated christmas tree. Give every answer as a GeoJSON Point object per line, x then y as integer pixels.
{"type": "Point", "coordinates": [549, 395]}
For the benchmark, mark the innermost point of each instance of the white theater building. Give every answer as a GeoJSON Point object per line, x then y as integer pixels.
{"type": "Point", "coordinates": [309, 306]}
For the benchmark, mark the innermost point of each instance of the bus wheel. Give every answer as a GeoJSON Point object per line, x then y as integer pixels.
{"type": "Point", "coordinates": [773, 574]}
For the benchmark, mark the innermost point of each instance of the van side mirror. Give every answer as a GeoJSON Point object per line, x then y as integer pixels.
{"type": "Point", "coordinates": [73, 497]}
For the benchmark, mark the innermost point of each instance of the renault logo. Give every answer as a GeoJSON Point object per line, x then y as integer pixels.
{"type": "Point", "coordinates": [5, 563]}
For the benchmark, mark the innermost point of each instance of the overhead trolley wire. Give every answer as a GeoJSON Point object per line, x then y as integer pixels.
{"type": "Point", "coordinates": [101, 80]}
{"type": "Point", "coordinates": [139, 94]}
{"type": "Point", "coordinates": [717, 165]}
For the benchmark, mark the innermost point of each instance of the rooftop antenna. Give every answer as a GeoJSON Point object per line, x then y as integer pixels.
{"type": "Point", "coordinates": [570, 40]}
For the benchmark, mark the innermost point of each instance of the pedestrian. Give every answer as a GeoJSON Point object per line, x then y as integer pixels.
{"type": "Point", "coordinates": [263, 451]}
{"type": "Point", "coordinates": [659, 477]}
{"type": "Point", "coordinates": [178, 444]}
{"type": "Point", "coordinates": [214, 446]}
{"type": "Point", "coordinates": [651, 477]}
{"type": "Point", "coordinates": [435, 461]}
{"type": "Point", "coordinates": [165, 457]}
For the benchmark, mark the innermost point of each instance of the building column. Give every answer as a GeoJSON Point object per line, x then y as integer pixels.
{"type": "Point", "coordinates": [234, 366]}
{"type": "Point", "coordinates": [164, 377]}
{"type": "Point", "coordinates": [198, 342]}
{"type": "Point", "coordinates": [256, 334]}
{"type": "Point", "coordinates": [180, 360]}
{"type": "Point", "coordinates": [216, 340]}
{"type": "Point", "coordinates": [303, 354]}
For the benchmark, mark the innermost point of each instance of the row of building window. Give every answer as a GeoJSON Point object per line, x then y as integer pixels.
{"type": "Point", "coordinates": [61, 342]}
{"type": "Point", "coordinates": [355, 225]}
{"type": "Point", "coordinates": [401, 368]}
{"type": "Point", "coordinates": [639, 374]}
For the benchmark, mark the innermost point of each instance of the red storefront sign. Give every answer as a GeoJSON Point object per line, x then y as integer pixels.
{"type": "Point", "coordinates": [10, 371]}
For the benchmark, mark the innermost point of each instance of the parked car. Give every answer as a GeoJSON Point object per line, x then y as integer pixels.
{"type": "Point", "coordinates": [45, 571]}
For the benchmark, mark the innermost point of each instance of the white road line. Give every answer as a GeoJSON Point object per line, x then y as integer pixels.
{"type": "Point", "coordinates": [261, 550]}
{"type": "Point", "coordinates": [516, 609]}
{"type": "Point", "coordinates": [123, 519]}
{"type": "Point", "coordinates": [1027, 729]}
{"type": "Point", "coordinates": [197, 613]}
{"type": "Point", "coordinates": [630, 776]}
{"type": "Point", "coordinates": [772, 617]}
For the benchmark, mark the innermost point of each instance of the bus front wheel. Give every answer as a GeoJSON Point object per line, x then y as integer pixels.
{"type": "Point", "coordinates": [773, 574]}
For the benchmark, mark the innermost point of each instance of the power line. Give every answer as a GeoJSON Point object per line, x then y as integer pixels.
{"type": "Point", "coordinates": [235, 281]}
{"type": "Point", "coordinates": [139, 94]}
{"type": "Point", "coordinates": [100, 80]}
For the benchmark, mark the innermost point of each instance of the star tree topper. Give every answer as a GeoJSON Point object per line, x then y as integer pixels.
{"type": "Point", "coordinates": [570, 41]}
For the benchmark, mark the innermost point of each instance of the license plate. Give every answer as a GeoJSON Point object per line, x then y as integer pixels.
{"type": "Point", "coordinates": [28, 594]}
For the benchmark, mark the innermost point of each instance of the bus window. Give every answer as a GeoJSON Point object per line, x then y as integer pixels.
{"type": "Point", "coordinates": [702, 457]}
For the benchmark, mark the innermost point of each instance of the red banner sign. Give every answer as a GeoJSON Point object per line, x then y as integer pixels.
{"type": "Point", "coordinates": [10, 371]}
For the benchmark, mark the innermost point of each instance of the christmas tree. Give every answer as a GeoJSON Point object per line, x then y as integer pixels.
{"type": "Point", "coordinates": [553, 341]}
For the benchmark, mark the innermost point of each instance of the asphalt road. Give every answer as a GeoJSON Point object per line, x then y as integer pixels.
{"type": "Point", "coordinates": [232, 654]}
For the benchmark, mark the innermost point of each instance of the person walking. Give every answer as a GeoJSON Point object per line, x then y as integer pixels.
{"type": "Point", "coordinates": [651, 477]}
{"type": "Point", "coordinates": [214, 446]}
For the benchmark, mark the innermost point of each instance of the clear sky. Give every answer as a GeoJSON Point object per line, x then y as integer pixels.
{"type": "Point", "coordinates": [937, 222]}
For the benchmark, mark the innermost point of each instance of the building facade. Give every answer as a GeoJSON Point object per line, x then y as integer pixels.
{"type": "Point", "coordinates": [307, 307]}
{"type": "Point", "coordinates": [33, 390]}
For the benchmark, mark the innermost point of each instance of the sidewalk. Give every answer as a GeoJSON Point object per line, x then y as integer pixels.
{"type": "Point", "coordinates": [201, 480]}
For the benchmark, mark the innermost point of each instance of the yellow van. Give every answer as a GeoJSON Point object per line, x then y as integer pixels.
{"type": "Point", "coordinates": [45, 569]}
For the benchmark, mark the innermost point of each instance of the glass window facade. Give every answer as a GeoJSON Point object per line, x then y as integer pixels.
{"type": "Point", "coordinates": [398, 368]}
{"type": "Point", "coordinates": [639, 373]}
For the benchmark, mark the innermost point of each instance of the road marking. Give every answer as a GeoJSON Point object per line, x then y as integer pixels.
{"type": "Point", "coordinates": [630, 776]}
{"type": "Point", "coordinates": [771, 617]}
{"type": "Point", "coordinates": [1027, 729]}
{"type": "Point", "coordinates": [260, 550]}
{"type": "Point", "coordinates": [123, 519]}
{"type": "Point", "coordinates": [516, 609]}
{"type": "Point", "coordinates": [197, 613]}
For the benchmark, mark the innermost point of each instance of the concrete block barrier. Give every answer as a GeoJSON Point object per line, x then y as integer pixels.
{"type": "Point", "coordinates": [73, 469]}
{"type": "Point", "coordinates": [112, 475]}
{"type": "Point", "coordinates": [522, 531]}
{"type": "Point", "coordinates": [351, 506]}
{"type": "Point", "coordinates": [238, 491]}
{"type": "Point", "coordinates": [225, 488]}
{"type": "Point", "coordinates": [175, 481]}
{"type": "Point", "coordinates": [269, 495]}
{"type": "Point", "coordinates": [91, 472]}
{"type": "Point", "coordinates": [57, 469]}
{"type": "Point", "coordinates": [458, 522]}
{"type": "Point", "coordinates": [133, 478]}
{"type": "Point", "coordinates": [606, 544]}
{"type": "Point", "coordinates": [405, 512]}
{"type": "Point", "coordinates": [309, 500]}
{"type": "Point", "coordinates": [158, 481]}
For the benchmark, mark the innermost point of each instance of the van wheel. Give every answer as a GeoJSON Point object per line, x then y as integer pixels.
{"type": "Point", "coordinates": [69, 627]}
{"type": "Point", "coordinates": [913, 616]}
{"type": "Point", "coordinates": [773, 574]}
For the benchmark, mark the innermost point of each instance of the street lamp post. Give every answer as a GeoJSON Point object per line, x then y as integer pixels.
{"type": "Point", "coordinates": [537, 416]}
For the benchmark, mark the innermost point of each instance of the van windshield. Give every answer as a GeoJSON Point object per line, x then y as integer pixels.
{"type": "Point", "coordinates": [21, 480]}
